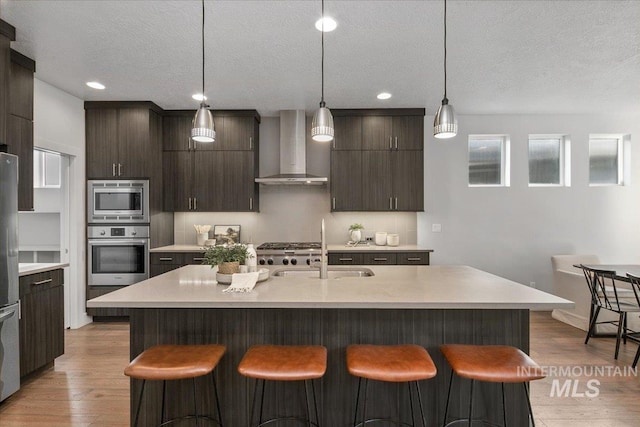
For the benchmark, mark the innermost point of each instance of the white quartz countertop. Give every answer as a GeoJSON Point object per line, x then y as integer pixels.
{"type": "Point", "coordinates": [330, 248]}
{"type": "Point", "coordinates": [392, 287]}
{"type": "Point", "coordinates": [39, 267]}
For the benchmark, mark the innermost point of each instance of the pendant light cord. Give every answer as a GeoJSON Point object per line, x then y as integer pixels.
{"type": "Point", "coordinates": [203, 52]}
{"type": "Point", "coordinates": [445, 49]}
{"type": "Point", "coordinates": [322, 104]}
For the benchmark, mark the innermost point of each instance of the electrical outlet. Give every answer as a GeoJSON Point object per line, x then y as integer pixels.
{"type": "Point", "coordinates": [532, 284]}
{"type": "Point", "coordinates": [436, 228]}
{"type": "Point", "coordinates": [369, 239]}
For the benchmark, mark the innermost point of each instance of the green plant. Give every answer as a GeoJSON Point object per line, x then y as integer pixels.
{"type": "Point", "coordinates": [216, 255]}
{"type": "Point", "coordinates": [356, 227]}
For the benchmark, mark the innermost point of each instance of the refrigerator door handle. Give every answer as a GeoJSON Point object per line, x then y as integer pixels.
{"type": "Point", "coordinates": [6, 316]}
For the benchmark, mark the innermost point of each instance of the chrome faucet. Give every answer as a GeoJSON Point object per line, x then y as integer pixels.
{"type": "Point", "coordinates": [324, 263]}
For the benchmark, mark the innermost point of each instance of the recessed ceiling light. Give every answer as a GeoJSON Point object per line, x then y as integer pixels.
{"type": "Point", "coordinates": [199, 97]}
{"type": "Point", "coordinates": [329, 24]}
{"type": "Point", "coordinates": [95, 85]}
{"type": "Point", "coordinates": [384, 95]}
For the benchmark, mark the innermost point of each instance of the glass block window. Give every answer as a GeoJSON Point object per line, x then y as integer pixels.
{"type": "Point", "coordinates": [605, 161]}
{"type": "Point", "coordinates": [547, 158]}
{"type": "Point", "coordinates": [487, 160]}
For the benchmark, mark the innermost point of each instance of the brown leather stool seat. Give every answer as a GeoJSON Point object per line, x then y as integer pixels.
{"type": "Point", "coordinates": [284, 363]}
{"type": "Point", "coordinates": [389, 363]}
{"type": "Point", "coordinates": [491, 363]}
{"type": "Point", "coordinates": [176, 362]}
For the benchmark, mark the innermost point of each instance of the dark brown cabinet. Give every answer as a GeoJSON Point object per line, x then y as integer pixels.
{"type": "Point", "coordinates": [377, 257]}
{"type": "Point", "coordinates": [162, 262]}
{"type": "Point", "coordinates": [42, 319]}
{"type": "Point", "coordinates": [377, 161]}
{"type": "Point", "coordinates": [216, 176]}
{"type": "Point", "coordinates": [123, 139]}
{"type": "Point", "coordinates": [7, 34]}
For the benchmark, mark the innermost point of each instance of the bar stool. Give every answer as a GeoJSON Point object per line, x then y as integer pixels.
{"type": "Point", "coordinates": [389, 363]}
{"type": "Point", "coordinates": [490, 363]}
{"type": "Point", "coordinates": [284, 363]}
{"type": "Point", "coordinates": [177, 362]}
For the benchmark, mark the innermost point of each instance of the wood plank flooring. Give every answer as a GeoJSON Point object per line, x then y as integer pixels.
{"type": "Point", "coordinates": [87, 388]}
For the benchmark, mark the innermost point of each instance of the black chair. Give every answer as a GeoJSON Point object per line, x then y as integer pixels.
{"type": "Point", "coordinates": [605, 294]}
{"type": "Point", "coordinates": [635, 285]}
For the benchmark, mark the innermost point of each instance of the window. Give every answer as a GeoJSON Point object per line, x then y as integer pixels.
{"type": "Point", "coordinates": [549, 160]}
{"type": "Point", "coordinates": [605, 160]}
{"type": "Point", "coordinates": [46, 169]}
{"type": "Point", "coordinates": [488, 160]}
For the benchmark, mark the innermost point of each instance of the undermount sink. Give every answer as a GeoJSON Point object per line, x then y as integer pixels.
{"type": "Point", "coordinates": [333, 273]}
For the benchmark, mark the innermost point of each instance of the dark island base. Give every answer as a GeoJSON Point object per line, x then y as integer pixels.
{"type": "Point", "coordinates": [334, 328]}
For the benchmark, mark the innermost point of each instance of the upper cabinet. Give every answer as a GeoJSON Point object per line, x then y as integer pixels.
{"type": "Point", "coordinates": [211, 177]}
{"type": "Point", "coordinates": [7, 34]}
{"type": "Point", "coordinates": [377, 161]}
{"type": "Point", "coordinates": [121, 139]}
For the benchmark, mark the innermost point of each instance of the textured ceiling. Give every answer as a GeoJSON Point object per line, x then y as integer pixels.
{"type": "Point", "coordinates": [503, 57]}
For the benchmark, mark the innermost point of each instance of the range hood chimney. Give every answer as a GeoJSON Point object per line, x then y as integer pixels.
{"type": "Point", "coordinates": [293, 168]}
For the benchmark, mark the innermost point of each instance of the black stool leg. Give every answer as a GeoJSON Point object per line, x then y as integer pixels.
{"type": "Point", "coordinates": [135, 422]}
{"type": "Point", "coordinates": [264, 384]}
{"type": "Point", "coordinates": [504, 407]}
{"type": "Point", "coordinates": [526, 392]}
{"type": "Point", "coordinates": [355, 414]}
{"type": "Point", "coordinates": [164, 393]}
{"type": "Point", "coordinates": [471, 403]}
{"type": "Point", "coordinates": [253, 404]}
{"type": "Point", "coordinates": [215, 395]}
{"type": "Point", "coordinates": [446, 408]}
{"type": "Point", "coordinates": [195, 403]}
{"type": "Point", "coordinates": [424, 420]}
{"type": "Point", "coordinates": [413, 415]}
{"type": "Point", "coordinates": [364, 409]}
{"type": "Point", "coordinates": [306, 399]}
{"type": "Point", "coordinates": [315, 403]}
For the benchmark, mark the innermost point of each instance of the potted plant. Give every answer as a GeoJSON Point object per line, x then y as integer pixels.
{"type": "Point", "coordinates": [227, 258]}
{"type": "Point", "coordinates": [355, 232]}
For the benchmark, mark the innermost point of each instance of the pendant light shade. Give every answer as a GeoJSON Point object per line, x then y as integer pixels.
{"type": "Point", "coordinates": [445, 124]}
{"type": "Point", "coordinates": [322, 124]}
{"type": "Point", "coordinates": [202, 129]}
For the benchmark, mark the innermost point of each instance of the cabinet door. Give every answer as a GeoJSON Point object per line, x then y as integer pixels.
{"type": "Point", "coordinates": [134, 158]}
{"type": "Point", "coordinates": [176, 132]}
{"type": "Point", "coordinates": [236, 133]}
{"type": "Point", "coordinates": [238, 182]}
{"type": "Point", "coordinates": [348, 133]}
{"type": "Point", "coordinates": [53, 310]}
{"type": "Point", "coordinates": [409, 258]}
{"type": "Point", "coordinates": [5, 60]}
{"type": "Point", "coordinates": [177, 177]}
{"type": "Point", "coordinates": [21, 92]}
{"type": "Point", "coordinates": [376, 181]}
{"type": "Point", "coordinates": [373, 258]}
{"type": "Point", "coordinates": [345, 258]}
{"type": "Point", "coordinates": [376, 133]}
{"type": "Point", "coordinates": [20, 143]}
{"type": "Point", "coordinates": [408, 132]}
{"type": "Point", "coordinates": [346, 180]}
{"type": "Point", "coordinates": [408, 180]}
{"type": "Point", "coordinates": [102, 146]}
{"type": "Point", "coordinates": [208, 180]}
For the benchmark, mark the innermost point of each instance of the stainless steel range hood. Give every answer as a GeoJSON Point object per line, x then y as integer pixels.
{"type": "Point", "coordinates": [293, 168]}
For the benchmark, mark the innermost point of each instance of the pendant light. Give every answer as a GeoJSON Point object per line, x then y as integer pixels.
{"type": "Point", "coordinates": [203, 130]}
{"type": "Point", "coordinates": [322, 123]}
{"type": "Point", "coordinates": [445, 124]}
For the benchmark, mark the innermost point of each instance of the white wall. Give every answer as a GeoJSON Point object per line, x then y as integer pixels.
{"type": "Point", "coordinates": [512, 232]}
{"type": "Point", "coordinates": [59, 126]}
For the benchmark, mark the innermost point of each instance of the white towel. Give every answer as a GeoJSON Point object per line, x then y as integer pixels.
{"type": "Point", "coordinates": [242, 282]}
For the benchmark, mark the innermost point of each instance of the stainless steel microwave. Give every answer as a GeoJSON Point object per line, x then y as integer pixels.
{"type": "Point", "coordinates": [118, 201]}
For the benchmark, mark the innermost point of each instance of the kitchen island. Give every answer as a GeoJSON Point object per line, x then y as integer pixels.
{"type": "Point", "coordinates": [426, 305]}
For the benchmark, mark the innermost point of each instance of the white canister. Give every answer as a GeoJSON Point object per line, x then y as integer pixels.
{"type": "Point", "coordinates": [202, 237]}
{"type": "Point", "coordinates": [381, 238]}
{"type": "Point", "coordinates": [252, 259]}
{"type": "Point", "coordinates": [393, 239]}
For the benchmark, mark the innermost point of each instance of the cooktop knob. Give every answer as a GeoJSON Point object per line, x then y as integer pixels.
{"type": "Point", "coordinates": [285, 261]}
{"type": "Point", "coordinates": [308, 261]}
{"type": "Point", "coordinates": [133, 233]}
{"type": "Point", "coordinates": [102, 233]}
{"type": "Point", "coordinates": [270, 261]}
{"type": "Point", "coordinates": [294, 261]}
{"type": "Point", "coordinates": [262, 261]}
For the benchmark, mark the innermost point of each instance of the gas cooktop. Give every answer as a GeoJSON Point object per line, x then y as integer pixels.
{"type": "Point", "coordinates": [288, 253]}
{"type": "Point", "coordinates": [289, 246]}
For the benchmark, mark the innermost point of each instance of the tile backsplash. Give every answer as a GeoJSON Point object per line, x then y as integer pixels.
{"type": "Point", "coordinates": [293, 213]}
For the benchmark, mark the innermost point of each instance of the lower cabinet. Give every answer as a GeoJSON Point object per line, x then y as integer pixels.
{"type": "Point", "coordinates": [97, 313]}
{"type": "Point", "coordinates": [379, 258]}
{"type": "Point", "coordinates": [42, 320]}
{"type": "Point", "coordinates": [162, 262]}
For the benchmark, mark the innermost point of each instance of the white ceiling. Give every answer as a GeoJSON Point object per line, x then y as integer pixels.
{"type": "Point", "coordinates": [504, 56]}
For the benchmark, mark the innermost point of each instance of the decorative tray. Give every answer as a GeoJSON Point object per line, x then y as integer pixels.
{"type": "Point", "coordinates": [225, 279]}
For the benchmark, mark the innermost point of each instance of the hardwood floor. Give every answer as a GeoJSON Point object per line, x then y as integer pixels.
{"type": "Point", "coordinates": [87, 387]}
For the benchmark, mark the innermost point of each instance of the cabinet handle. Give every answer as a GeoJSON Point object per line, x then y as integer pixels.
{"type": "Point", "coordinates": [42, 282]}
{"type": "Point", "coordinates": [119, 169]}
{"type": "Point", "coordinates": [346, 259]}
{"type": "Point", "coordinates": [165, 259]}
{"type": "Point", "coordinates": [188, 144]}
{"type": "Point", "coordinates": [189, 203]}
{"type": "Point", "coordinates": [390, 143]}
{"type": "Point", "coordinates": [396, 142]}
{"type": "Point", "coordinates": [250, 203]}
{"type": "Point", "coordinates": [113, 169]}
{"type": "Point", "coordinates": [379, 259]}
{"type": "Point", "coordinates": [390, 203]}
{"type": "Point", "coordinates": [195, 204]}
{"type": "Point", "coordinates": [333, 203]}
{"type": "Point", "coordinates": [250, 143]}
{"type": "Point", "coordinates": [414, 259]}
{"type": "Point", "coordinates": [396, 203]}
{"type": "Point", "coordinates": [198, 259]}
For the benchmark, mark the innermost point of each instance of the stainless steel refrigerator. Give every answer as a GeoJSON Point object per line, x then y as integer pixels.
{"type": "Point", "coordinates": [9, 304]}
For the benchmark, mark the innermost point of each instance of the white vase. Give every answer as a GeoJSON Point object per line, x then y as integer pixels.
{"type": "Point", "coordinates": [355, 235]}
